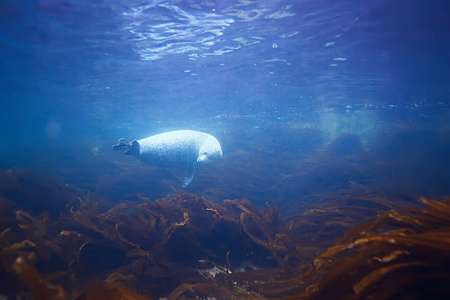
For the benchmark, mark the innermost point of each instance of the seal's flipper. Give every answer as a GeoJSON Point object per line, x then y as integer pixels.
{"type": "Point", "coordinates": [189, 175]}
{"type": "Point", "coordinates": [131, 148]}
{"type": "Point", "coordinates": [122, 144]}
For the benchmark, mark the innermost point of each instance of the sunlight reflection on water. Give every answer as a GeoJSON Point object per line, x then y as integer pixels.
{"type": "Point", "coordinates": [161, 28]}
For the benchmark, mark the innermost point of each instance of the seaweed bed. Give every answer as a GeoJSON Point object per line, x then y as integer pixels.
{"type": "Point", "coordinates": [58, 244]}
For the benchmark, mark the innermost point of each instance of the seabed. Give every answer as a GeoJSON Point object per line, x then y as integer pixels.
{"type": "Point", "coordinates": [56, 243]}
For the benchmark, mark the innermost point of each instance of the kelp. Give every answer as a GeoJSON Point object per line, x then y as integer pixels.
{"type": "Point", "coordinates": [37, 286]}
{"type": "Point", "coordinates": [28, 191]}
{"type": "Point", "coordinates": [156, 246]}
{"type": "Point", "coordinates": [186, 246]}
{"type": "Point", "coordinates": [400, 255]}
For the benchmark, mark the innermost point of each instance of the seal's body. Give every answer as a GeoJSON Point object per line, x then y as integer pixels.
{"type": "Point", "coordinates": [183, 149]}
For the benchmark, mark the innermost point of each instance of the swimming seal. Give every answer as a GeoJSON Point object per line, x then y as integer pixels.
{"type": "Point", "coordinates": [182, 149]}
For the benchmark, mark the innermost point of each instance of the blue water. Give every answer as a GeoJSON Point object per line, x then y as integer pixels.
{"type": "Point", "coordinates": [277, 82]}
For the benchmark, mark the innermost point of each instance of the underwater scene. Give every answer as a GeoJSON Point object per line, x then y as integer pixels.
{"type": "Point", "coordinates": [224, 149]}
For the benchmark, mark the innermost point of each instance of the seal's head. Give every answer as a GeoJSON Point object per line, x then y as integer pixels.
{"type": "Point", "coordinates": [210, 151]}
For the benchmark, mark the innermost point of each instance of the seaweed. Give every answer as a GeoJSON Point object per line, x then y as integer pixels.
{"type": "Point", "coordinates": [410, 248]}
{"type": "Point", "coordinates": [26, 190]}
{"type": "Point", "coordinates": [189, 246]}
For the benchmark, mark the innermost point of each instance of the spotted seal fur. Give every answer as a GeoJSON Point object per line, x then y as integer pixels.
{"type": "Point", "coordinates": [181, 149]}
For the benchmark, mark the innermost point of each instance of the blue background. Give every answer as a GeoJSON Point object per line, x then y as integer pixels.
{"type": "Point", "coordinates": [306, 97]}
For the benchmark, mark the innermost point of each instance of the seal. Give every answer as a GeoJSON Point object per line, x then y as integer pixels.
{"type": "Point", "coordinates": [181, 149]}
